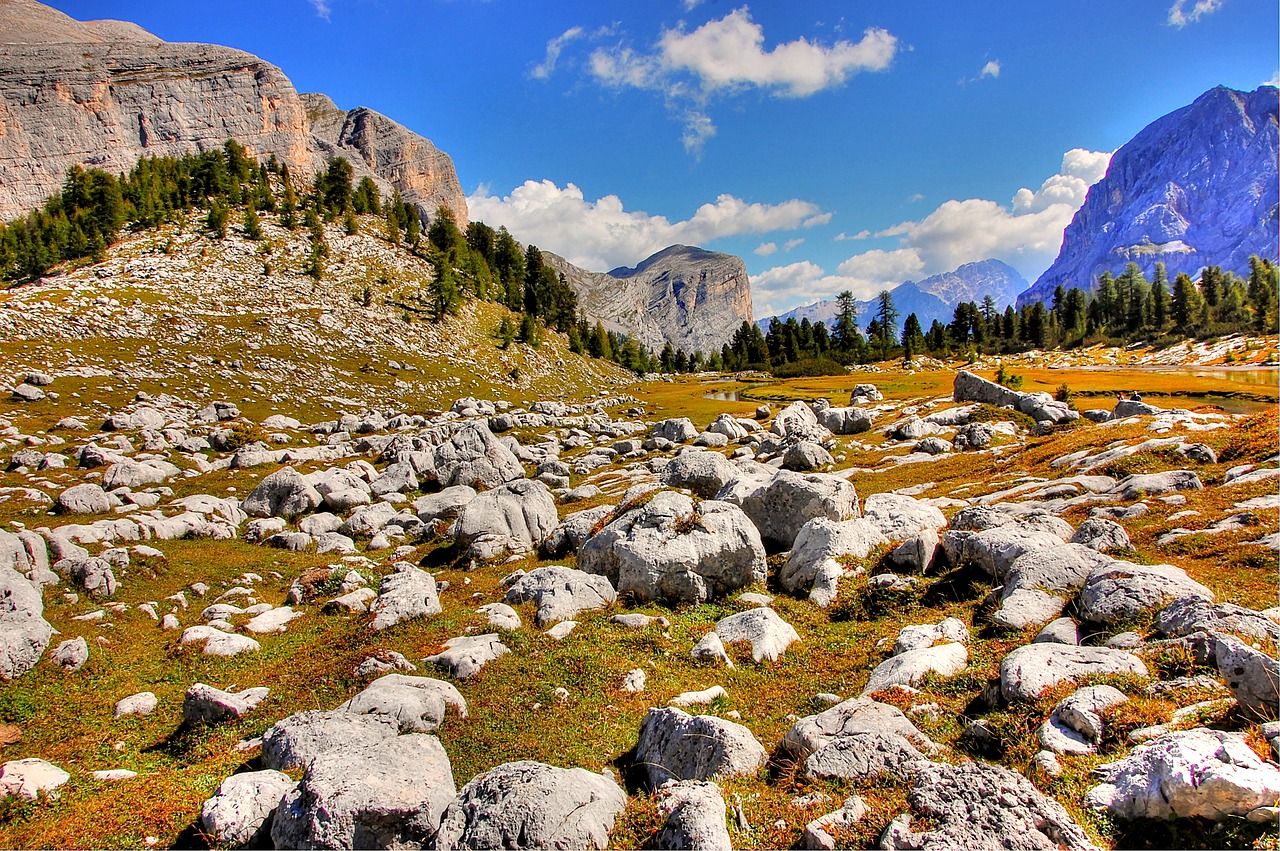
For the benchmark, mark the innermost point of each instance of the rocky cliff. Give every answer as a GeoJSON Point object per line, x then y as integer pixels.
{"type": "Point", "coordinates": [104, 93]}
{"type": "Point", "coordinates": [1197, 187]}
{"type": "Point", "coordinates": [691, 298]}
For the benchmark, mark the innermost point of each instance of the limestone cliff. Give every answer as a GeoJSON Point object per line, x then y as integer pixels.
{"type": "Point", "coordinates": [691, 298]}
{"type": "Point", "coordinates": [105, 93]}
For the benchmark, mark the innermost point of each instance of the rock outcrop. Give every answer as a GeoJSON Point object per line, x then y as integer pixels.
{"type": "Point", "coordinates": [103, 94]}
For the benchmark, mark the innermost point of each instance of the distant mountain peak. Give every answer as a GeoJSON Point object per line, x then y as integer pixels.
{"type": "Point", "coordinates": [1194, 188]}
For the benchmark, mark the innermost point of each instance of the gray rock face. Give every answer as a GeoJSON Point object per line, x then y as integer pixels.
{"type": "Point", "coordinates": [295, 741]}
{"type": "Point", "coordinates": [1252, 676]}
{"type": "Point", "coordinates": [1189, 774]}
{"type": "Point", "coordinates": [240, 813]}
{"type": "Point", "coordinates": [781, 504]}
{"type": "Point", "coordinates": [561, 593]}
{"type": "Point", "coordinates": [447, 503]}
{"type": "Point", "coordinates": [975, 805]}
{"type": "Point", "coordinates": [691, 298]}
{"type": "Point", "coordinates": [900, 517]}
{"type": "Point", "coordinates": [410, 592]}
{"type": "Point", "coordinates": [284, 493]}
{"type": "Point", "coordinates": [1186, 615]}
{"type": "Point", "coordinates": [391, 794]}
{"type": "Point", "coordinates": [1031, 669]}
{"type": "Point", "coordinates": [995, 549]}
{"type": "Point", "coordinates": [531, 805]}
{"type": "Point", "coordinates": [574, 530]}
{"type": "Point", "coordinates": [695, 817]}
{"type": "Point", "coordinates": [862, 754]}
{"type": "Point", "coordinates": [515, 517]}
{"type": "Point", "coordinates": [417, 704]}
{"type": "Point", "coordinates": [1164, 196]}
{"type": "Point", "coordinates": [677, 550]}
{"type": "Point", "coordinates": [674, 745]}
{"type": "Point", "coordinates": [24, 633]}
{"type": "Point", "coordinates": [1124, 590]}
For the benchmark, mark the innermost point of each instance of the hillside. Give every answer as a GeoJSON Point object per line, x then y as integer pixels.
{"type": "Point", "coordinates": [177, 312]}
{"type": "Point", "coordinates": [1194, 188]}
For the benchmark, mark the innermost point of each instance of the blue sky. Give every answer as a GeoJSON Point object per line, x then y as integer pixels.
{"type": "Point", "coordinates": [832, 145]}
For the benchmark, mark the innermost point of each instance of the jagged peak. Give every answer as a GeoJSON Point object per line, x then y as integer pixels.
{"type": "Point", "coordinates": [687, 253]}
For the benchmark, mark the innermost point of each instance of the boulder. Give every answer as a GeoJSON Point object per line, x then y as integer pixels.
{"type": "Point", "coordinates": [899, 517]}
{"type": "Point", "coordinates": [780, 504]}
{"type": "Point", "coordinates": [1199, 773]}
{"type": "Point", "coordinates": [367, 520]}
{"type": "Point", "coordinates": [475, 458]}
{"type": "Point", "coordinates": [135, 474]}
{"type": "Point", "coordinates": [677, 550]}
{"type": "Point", "coordinates": [911, 667]}
{"type": "Point", "coordinates": [284, 493]}
{"type": "Point", "coordinates": [920, 636]}
{"type": "Point", "coordinates": [813, 732]}
{"type": "Point", "coordinates": [862, 755]}
{"type": "Point", "coordinates": [676, 430]}
{"type": "Point", "coordinates": [1039, 584]}
{"type": "Point", "coordinates": [204, 704]}
{"type": "Point", "coordinates": [447, 503]}
{"type": "Point", "coordinates": [531, 805]}
{"type": "Point", "coordinates": [968, 387]}
{"type": "Point", "coordinates": [974, 436]}
{"type": "Point", "coordinates": [410, 592]}
{"type": "Point", "coordinates": [702, 472]}
{"type": "Point", "coordinates": [561, 593]}
{"type": "Point", "coordinates": [1194, 613]}
{"type": "Point", "coordinates": [813, 566]}
{"type": "Point", "coordinates": [27, 778]}
{"type": "Point", "coordinates": [512, 518]}
{"type": "Point", "coordinates": [1101, 534]}
{"type": "Point", "coordinates": [86, 498]}
{"type": "Point", "coordinates": [1121, 590]}
{"type": "Point", "coordinates": [417, 704]}
{"type": "Point", "coordinates": [295, 741]}
{"type": "Point", "coordinates": [240, 813]}
{"type": "Point", "coordinates": [694, 813]}
{"type": "Point", "coordinates": [805, 455]}
{"type": "Point", "coordinates": [996, 548]}
{"type": "Point", "coordinates": [71, 654]}
{"type": "Point", "coordinates": [767, 633]}
{"type": "Point", "coordinates": [466, 655]}
{"type": "Point", "coordinates": [1029, 670]}
{"type": "Point", "coordinates": [674, 745]}
{"type": "Point", "coordinates": [864, 393]}
{"type": "Point", "coordinates": [975, 805]}
{"type": "Point", "coordinates": [390, 794]}
{"type": "Point", "coordinates": [1252, 676]}
{"type": "Point", "coordinates": [142, 703]}
{"type": "Point", "coordinates": [845, 420]}
{"type": "Point", "coordinates": [24, 633]}
{"type": "Point", "coordinates": [1142, 485]}
{"type": "Point", "coordinates": [574, 530]}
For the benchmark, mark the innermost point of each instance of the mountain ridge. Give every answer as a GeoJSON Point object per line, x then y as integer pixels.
{"type": "Point", "coordinates": [1195, 187]}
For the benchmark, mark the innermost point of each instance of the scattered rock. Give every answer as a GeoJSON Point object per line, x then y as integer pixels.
{"type": "Point", "coordinates": [674, 745]}
{"type": "Point", "coordinates": [695, 817]}
{"type": "Point", "coordinates": [241, 811]}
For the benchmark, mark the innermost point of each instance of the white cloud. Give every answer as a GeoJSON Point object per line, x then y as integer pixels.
{"type": "Point", "coordinates": [814, 221]}
{"type": "Point", "coordinates": [792, 243]}
{"type": "Point", "coordinates": [764, 249]}
{"type": "Point", "coordinates": [555, 46]}
{"type": "Point", "coordinates": [843, 237]}
{"type": "Point", "coordinates": [1179, 17]}
{"type": "Point", "coordinates": [991, 69]}
{"type": "Point", "coordinates": [914, 198]}
{"type": "Point", "coordinates": [1274, 81]}
{"type": "Point", "coordinates": [728, 54]}
{"type": "Point", "coordinates": [690, 5]}
{"type": "Point", "coordinates": [323, 10]}
{"type": "Point", "coordinates": [601, 234]}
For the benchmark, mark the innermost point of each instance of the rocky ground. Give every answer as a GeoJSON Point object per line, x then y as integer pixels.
{"type": "Point", "coordinates": [908, 622]}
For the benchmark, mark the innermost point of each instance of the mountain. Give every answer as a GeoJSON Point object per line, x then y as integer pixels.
{"type": "Point", "coordinates": [1195, 188]}
{"type": "Point", "coordinates": [688, 297]}
{"type": "Point", "coordinates": [102, 94]}
{"type": "Point", "coordinates": [933, 298]}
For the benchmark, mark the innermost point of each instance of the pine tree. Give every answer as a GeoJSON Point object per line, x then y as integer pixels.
{"type": "Point", "coordinates": [887, 317]}
{"type": "Point", "coordinates": [1186, 305]}
{"type": "Point", "coordinates": [845, 331]}
{"type": "Point", "coordinates": [252, 227]}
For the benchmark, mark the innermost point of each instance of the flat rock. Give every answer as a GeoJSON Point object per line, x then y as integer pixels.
{"type": "Point", "coordinates": [1123, 590]}
{"type": "Point", "coordinates": [532, 805]}
{"type": "Point", "coordinates": [1031, 669]}
{"type": "Point", "coordinates": [813, 732]}
{"type": "Point", "coordinates": [204, 704]}
{"type": "Point", "coordinates": [408, 593]}
{"type": "Point", "coordinates": [142, 703]}
{"type": "Point", "coordinates": [295, 741]}
{"type": "Point", "coordinates": [911, 667]}
{"type": "Point", "coordinates": [861, 755]}
{"type": "Point", "coordinates": [27, 778]}
{"type": "Point", "coordinates": [466, 655]}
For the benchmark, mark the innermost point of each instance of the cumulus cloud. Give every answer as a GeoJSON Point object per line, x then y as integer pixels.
{"type": "Point", "coordinates": [323, 10]}
{"type": "Point", "coordinates": [729, 54]}
{"type": "Point", "coordinates": [862, 234]}
{"type": "Point", "coordinates": [1179, 16]}
{"type": "Point", "coordinates": [602, 234]}
{"type": "Point", "coordinates": [991, 69]}
{"type": "Point", "coordinates": [815, 221]}
{"type": "Point", "coordinates": [764, 249]}
{"type": "Point", "coordinates": [1026, 233]}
